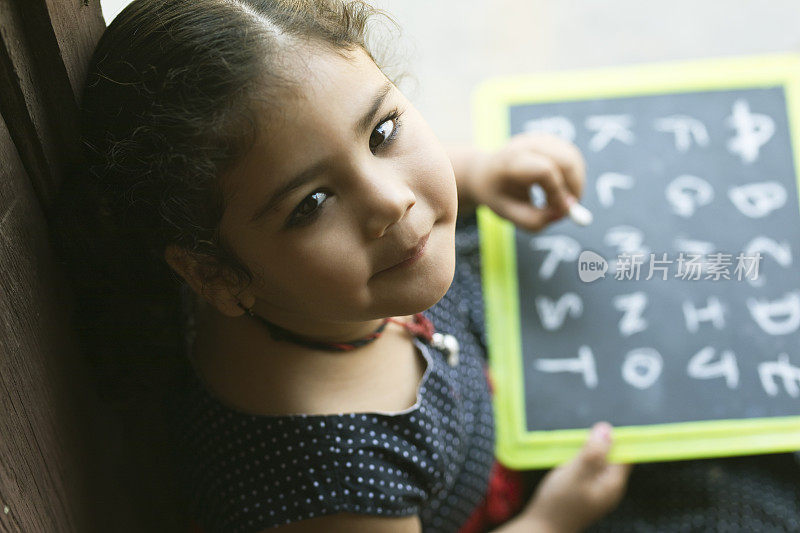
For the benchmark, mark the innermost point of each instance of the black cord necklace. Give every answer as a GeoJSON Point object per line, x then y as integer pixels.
{"type": "Point", "coordinates": [421, 327]}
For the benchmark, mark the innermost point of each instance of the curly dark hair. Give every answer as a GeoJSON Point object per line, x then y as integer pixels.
{"type": "Point", "coordinates": [168, 106]}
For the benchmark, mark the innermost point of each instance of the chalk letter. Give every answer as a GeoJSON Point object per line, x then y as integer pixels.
{"type": "Point", "coordinates": [632, 305]}
{"type": "Point", "coordinates": [767, 314]}
{"type": "Point", "coordinates": [583, 364]}
{"type": "Point", "coordinates": [629, 243]}
{"type": "Point", "coordinates": [701, 367]}
{"type": "Point", "coordinates": [753, 130]}
{"type": "Point", "coordinates": [684, 129]}
{"type": "Point", "coordinates": [561, 247]}
{"type": "Point", "coordinates": [627, 240]}
{"type": "Point", "coordinates": [768, 371]}
{"type": "Point", "coordinates": [713, 313]}
{"type": "Point", "coordinates": [642, 367]}
{"type": "Point", "coordinates": [608, 128]}
{"type": "Point", "coordinates": [552, 314]}
{"type": "Point", "coordinates": [757, 200]}
{"type": "Point", "coordinates": [607, 182]}
{"type": "Point", "coordinates": [686, 193]}
{"type": "Point", "coordinates": [780, 251]}
{"type": "Point", "coordinates": [560, 126]}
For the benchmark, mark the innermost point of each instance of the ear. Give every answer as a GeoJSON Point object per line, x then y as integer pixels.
{"type": "Point", "coordinates": [208, 281]}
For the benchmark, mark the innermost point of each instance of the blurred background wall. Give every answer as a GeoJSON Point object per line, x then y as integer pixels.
{"type": "Point", "coordinates": [447, 47]}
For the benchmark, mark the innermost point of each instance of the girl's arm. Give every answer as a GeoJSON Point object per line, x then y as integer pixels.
{"type": "Point", "coordinates": [465, 159]}
{"type": "Point", "coordinates": [502, 179]}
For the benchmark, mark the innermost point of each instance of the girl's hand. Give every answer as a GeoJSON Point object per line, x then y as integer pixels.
{"type": "Point", "coordinates": [502, 180]}
{"type": "Point", "coordinates": [578, 493]}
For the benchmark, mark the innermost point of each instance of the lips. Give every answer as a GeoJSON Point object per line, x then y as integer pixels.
{"type": "Point", "coordinates": [408, 257]}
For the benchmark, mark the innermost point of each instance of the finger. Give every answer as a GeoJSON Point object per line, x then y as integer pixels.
{"type": "Point", "coordinates": [616, 475]}
{"type": "Point", "coordinates": [595, 451]}
{"type": "Point", "coordinates": [525, 216]}
{"type": "Point", "coordinates": [611, 485]}
{"type": "Point", "coordinates": [565, 154]}
{"type": "Point", "coordinates": [526, 168]}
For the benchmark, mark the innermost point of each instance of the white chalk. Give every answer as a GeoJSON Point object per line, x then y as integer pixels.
{"type": "Point", "coordinates": [578, 213]}
{"type": "Point", "coordinates": [537, 197]}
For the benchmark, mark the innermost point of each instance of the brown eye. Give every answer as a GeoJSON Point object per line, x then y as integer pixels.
{"type": "Point", "coordinates": [381, 134]}
{"type": "Point", "coordinates": [310, 203]}
{"type": "Point", "coordinates": [307, 210]}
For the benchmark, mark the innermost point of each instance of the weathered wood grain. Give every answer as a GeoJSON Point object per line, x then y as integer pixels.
{"type": "Point", "coordinates": [45, 50]}
{"type": "Point", "coordinates": [43, 479]}
{"type": "Point", "coordinates": [76, 27]}
{"type": "Point", "coordinates": [24, 107]}
{"type": "Point", "coordinates": [68, 462]}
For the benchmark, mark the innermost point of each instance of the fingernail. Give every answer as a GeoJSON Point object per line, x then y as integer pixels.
{"type": "Point", "coordinates": [601, 431]}
{"type": "Point", "coordinates": [571, 200]}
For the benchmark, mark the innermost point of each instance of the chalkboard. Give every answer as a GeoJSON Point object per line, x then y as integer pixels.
{"type": "Point", "coordinates": [676, 314]}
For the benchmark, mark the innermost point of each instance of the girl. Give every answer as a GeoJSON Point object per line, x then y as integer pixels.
{"type": "Point", "coordinates": [256, 148]}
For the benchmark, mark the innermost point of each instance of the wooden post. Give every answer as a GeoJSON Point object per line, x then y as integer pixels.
{"type": "Point", "coordinates": [62, 451]}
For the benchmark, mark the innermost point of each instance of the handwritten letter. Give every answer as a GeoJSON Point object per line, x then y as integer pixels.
{"type": "Point", "coordinates": [753, 130]}
{"type": "Point", "coordinates": [632, 305]}
{"type": "Point", "coordinates": [701, 366]}
{"type": "Point", "coordinates": [552, 314]}
{"type": "Point", "coordinates": [642, 367]}
{"type": "Point", "coordinates": [559, 126]}
{"type": "Point", "coordinates": [758, 200]}
{"type": "Point", "coordinates": [583, 364]}
{"type": "Point", "coordinates": [713, 313]}
{"type": "Point", "coordinates": [685, 129]}
{"type": "Point", "coordinates": [609, 128]}
{"type": "Point", "coordinates": [561, 249]}
{"type": "Point", "coordinates": [686, 193]}
{"type": "Point", "coordinates": [776, 317]}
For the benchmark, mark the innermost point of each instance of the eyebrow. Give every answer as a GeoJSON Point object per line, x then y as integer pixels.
{"type": "Point", "coordinates": [304, 176]}
{"type": "Point", "coordinates": [377, 101]}
{"type": "Point", "coordinates": [286, 188]}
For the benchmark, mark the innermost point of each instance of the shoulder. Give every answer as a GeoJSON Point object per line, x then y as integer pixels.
{"type": "Point", "coordinates": [353, 523]}
{"type": "Point", "coordinates": [382, 377]}
{"type": "Point", "coordinates": [266, 472]}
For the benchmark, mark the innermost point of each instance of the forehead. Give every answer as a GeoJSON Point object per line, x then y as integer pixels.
{"type": "Point", "coordinates": [311, 116]}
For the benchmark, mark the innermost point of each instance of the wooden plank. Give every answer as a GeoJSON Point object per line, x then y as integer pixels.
{"type": "Point", "coordinates": [67, 461]}
{"type": "Point", "coordinates": [22, 106]}
{"type": "Point", "coordinates": [77, 26]}
{"type": "Point", "coordinates": [43, 449]}
{"type": "Point", "coordinates": [46, 46]}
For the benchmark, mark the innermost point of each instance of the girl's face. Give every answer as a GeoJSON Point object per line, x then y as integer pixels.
{"type": "Point", "coordinates": [345, 208]}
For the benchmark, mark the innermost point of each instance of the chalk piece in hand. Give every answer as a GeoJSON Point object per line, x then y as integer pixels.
{"type": "Point", "coordinates": [579, 214]}
{"type": "Point", "coordinates": [537, 197]}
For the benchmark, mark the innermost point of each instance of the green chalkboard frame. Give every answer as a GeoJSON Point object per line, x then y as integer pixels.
{"type": "Point", "coordinates": [518, 448]}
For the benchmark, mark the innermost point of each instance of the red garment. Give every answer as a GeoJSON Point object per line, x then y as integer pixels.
{"type": "Point", "coordinates": [503, 501]}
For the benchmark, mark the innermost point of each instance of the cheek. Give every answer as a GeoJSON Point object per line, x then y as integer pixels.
{"type": "Point", "coordinates": [320, 265]}
{"type": "Point", "coordinates": [433, 167]}
{"type": "Point", "coordinates": [440, 186]}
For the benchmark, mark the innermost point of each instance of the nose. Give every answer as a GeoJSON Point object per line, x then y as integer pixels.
{"type": "Point", "coordinates": [386, 199]}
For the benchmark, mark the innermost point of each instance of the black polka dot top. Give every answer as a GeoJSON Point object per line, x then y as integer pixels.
{"type": "Point", "coordinates": [245, 473]}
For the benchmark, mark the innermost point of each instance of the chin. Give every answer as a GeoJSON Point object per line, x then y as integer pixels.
{"type": "Point", "coordinates": [439, 276]}
{"type": "Point", "coordinates": [444, 278]}
{"type": "Point", "coordinates": [425, 291]}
